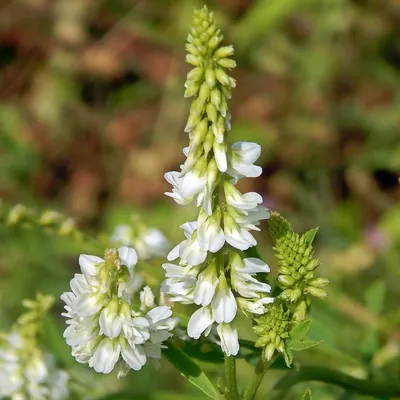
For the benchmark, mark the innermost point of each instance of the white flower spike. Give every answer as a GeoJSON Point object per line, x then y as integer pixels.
{"type": "Point", "coordinates": [226, 217]}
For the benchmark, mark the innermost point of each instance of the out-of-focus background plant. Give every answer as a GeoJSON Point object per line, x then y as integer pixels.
{"type": "Point", "coordinates": [92, 115]}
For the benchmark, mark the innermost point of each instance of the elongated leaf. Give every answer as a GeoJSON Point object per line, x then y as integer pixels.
{"type": "Point", "coordinates": [189, 369]}
{"type": "Point", "coordinates": [307, 395]}
{"type": "Point", "coordinates": [304, 345]}
{"type": "Point", "coordinates": [203, 351]}
{"type": "Point", "coordinates": [375, 297]}
{"type": "Point", "coordinates": [299, 331]}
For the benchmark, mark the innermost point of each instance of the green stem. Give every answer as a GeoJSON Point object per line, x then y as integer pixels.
{"type": "Point", "coordinates": [259, 373]}
{"type": "Point", "coordinates": [326, 375]}
{"type": "Point", "coordinates": [231, 392]}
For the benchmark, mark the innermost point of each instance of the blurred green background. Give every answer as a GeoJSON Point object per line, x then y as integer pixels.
{"type": "Point", "coordinates": [92, 115]}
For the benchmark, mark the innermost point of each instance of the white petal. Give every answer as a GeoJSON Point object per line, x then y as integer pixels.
{"type": "Point", "coordinates": [254, 265]}
{"type": "Point", "coordinates": [134, 357]}
{"type": "Point", "coordinates": [128, 257]}
{"type": "Point", "coordinates": [88, 264]}
{"type": "Point", "coordinates": [190, 252]}
{"type": "Point", "coordinates": [192, 184]}
{"type": "Point", "coordinates": [105, 356]}
{"type": "Point", "coordinates": [110, 324]}
{"type": "Point", "coordinates": [79, 285]}
{"type": "Point", "coordinates": [174, 253]}
{"type": "Point", "coordinates": [229, 339]}
{"type": "Point", "coordinates": [205, 289]}
{"type": "Point", "coordinates": [199, 322]}
{"type": "Point", "coordinates": [249, 152]}
{"type": "Point", "coordinates": [159, 313]}
{"type": "Point", "coordinates": [224, 306]}
{"type": "Point", "coordinates": [87, 304]}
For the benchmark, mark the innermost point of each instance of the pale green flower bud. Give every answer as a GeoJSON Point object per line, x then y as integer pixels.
{"type": "Point", "coordinates": [216, 97]}
{"type": "Point", "coordinates": [191, 89]}
{"type": "Point", "coordinates": [208, 141]}
{"type": "Point", "coordinates": [210, 78]}
{"type": "Point", "coordinates": [286, 280]}
{"type": "Point", "coordinates": [222, 76]}
{"type": "Point", "coordinates": [214, 42]}
{"type": "Point", "coordinates": [224, 52]}
{"type": "Point", "coordinates": [204, 93]}
{"type": "Point", "coordinates": [300, 311]}
{"type": "Point", "coordinates": [227, 63]}
{"type": "Point", "coordinates": [212, 112]}
{"type": "Point", "coordinates": [318, 282]}
{"type": "Point", "coordinates": [195, 74]}
{"type": "Point", "coordinates": [317, 292]}
{"type": "Point", "coordinates": [194, 60]}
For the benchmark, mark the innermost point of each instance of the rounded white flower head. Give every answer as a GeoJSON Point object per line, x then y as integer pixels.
{"type": "Point", "coordinates": [103, 329]}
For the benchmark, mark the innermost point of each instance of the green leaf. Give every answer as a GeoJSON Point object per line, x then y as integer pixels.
{"type": "Point", "coordinates": [307, 395]}
{"type": "Point", "coordinates": [288, 357]}
{"type": "Point", "coordinates": [203, 351]}
{"type": "Point", "coordinates": [299, 331]}
{"type": "Point", "coordinates": [304, 345]}
{"type": "Point", "coordinates": [375, 297]}
{"type": "Point", "coordinates": [189, 369]}
{"type": "Point", "coordinates": [309, 236]}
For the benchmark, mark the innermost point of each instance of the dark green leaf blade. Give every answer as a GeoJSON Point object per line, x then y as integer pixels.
{"type": "Point", "coordinates": [189, 369]}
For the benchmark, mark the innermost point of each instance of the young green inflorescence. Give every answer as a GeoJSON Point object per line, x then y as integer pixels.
{"type": "Point", "coordinates": [296, 280]}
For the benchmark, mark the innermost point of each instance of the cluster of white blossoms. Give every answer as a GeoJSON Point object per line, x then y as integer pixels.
{"type": "Point", "coordinates": [26, 372]}
{"type": "Point", "coordinates": [148, 242]}
{"type": "Point", "coordinates": [103, 328]}
{"type": "Point", "coordinates": [211, 272]}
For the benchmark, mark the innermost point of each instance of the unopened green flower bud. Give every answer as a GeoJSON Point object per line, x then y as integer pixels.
{"type": "Point", "coordinates": [215, 40]}
{"type": "Point", "coordinates": [317, 292]}
{"type": "Point", "coordinates": [210, 78]}
{"type": "Point", "coordinates": [191, 89]}
{"type": "Point", "coordinates": [286, 280]}
{"type": "Point", "coordinates": [300, 311]}
{"type": "Point", "coordinates": [204, 93]}
{"type": "Point", "coordinates": [212, 112]}
{"type": "Point", "coordinates": [219, 129]}
{"type": "Point", "coordinates": [296, 294]}
{"type": "Point", "coordinates": [194, 60]}
{"type": "Point", "coordinates": [269, 351]}
{"type": "Point", "coordinates": [318, 282]}
{"type": "Point", "coordinates": [16, 214]}
{"type": "Point", "coordinates": [227, 63]}
{"type": "Point", "coordinates": [224, 52]}
{"type": "Point", "coordinates": [212, 173]}
{"type": "Point", "coordinates": [50, 217]}
{"type": "Point", "coordinates": [67, 227]}
{"type": "Point", "coordinates": [312, 265]}
{"type": "Point", "coordinates": [222, 76]}
{"type": "Point", "coordinates": [208, 141]}
{"type": "Point", "coordinates": [216, 97]}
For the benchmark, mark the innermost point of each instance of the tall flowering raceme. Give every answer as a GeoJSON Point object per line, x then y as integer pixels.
{"type": "Point", "coordinates": [209, 268]}
{"type": "Point", "coordinates": [104, 329]}
{"type": "Point", "coordinates": [26, 371]}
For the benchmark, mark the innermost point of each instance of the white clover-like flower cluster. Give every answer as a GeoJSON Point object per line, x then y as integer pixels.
{"type": "Point", "coordinates": [210, 271]}
{"type": "Point", "coordinates": [148, 242]}
{"type": "Point", "coordinates": [26, 373]}
{"type": "Point", "coordinates": [103, 328]}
